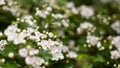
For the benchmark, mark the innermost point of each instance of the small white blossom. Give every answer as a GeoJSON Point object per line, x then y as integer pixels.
{"type": "Point", "coordinates": [65, 49]}
{"type": "Point", "coordinates": [38, 61]}
{"type": "Point", "coordinates": [92, 40]}
{"type": "Point", "coordinates": [99, 44]}
{"type": "Point", "coordinates": [70, 5]}
{"type": "Point", "coordinates": [23, 52]}
{"type": "Point", "coordinates": [86, 25]}
{"type": "Point", "coordinates": [71, 54]}
{"type": "Point", "coordinates": [115, 54]}
{"type": "Point", "coordinates": [28, 19]}
{"type": "Point", "coordinates": [42, 14]}
{"type": "Point", "coordinates": [49, 8]}
{"type": "Point", "coordinates": [29, 60]}
{"type": "Point", "coordinates": [116, 26]}
{"type": "Point", "coordinates": [86, 11]}
{"type": "Point", "coordinates": [34, 61]}
{"type": "Point", "coordinates": [116, 41]}
{"type": "Point", "coordinates": [50, 35]}
{"type": "Point", "coordinates": [65, 23]}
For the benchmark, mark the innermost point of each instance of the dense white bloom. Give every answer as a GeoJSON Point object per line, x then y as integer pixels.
{"type": "Point", "coordinates": [55, 50]}
{"type": "Point", "coordinates": [115, 54]}
{"type": "Point", "coordinates": [45, 41]}
{"type": "Point", "coordinates": [116, 41]}
{"type": "Point", "coordinates": [34, 61]}
{"type": "Point", "coordinates": [28, 19]}
{"type": "Point", "coordinates": [84, 26]}
{"type": "Point", "coordinates": [57, 56]}
{"type": "Point", "coordinates": [10, 32]}
{"type": "Point", "coordinates": [86, 11]}
{"type": "Point", "coordinates": [116, 26]}
{"type": "Point", "coordinates": [92, 39]}
{"type": "Point", "coordinates": [13, 35]}
{"type": "Point", "coordinates": [2, 2]}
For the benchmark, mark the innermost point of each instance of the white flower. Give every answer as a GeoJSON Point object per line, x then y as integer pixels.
{"type": "Point", "coordinates": [57, 56]}
{"type": "Point", "coordinates": [116, 26]}
{"type": "Point", "coordinates": [99, 44]}
{"type": "Point", "coordinates": [10, 30]}
{"type": "Point", "coordinates": [50, 35]}
{"type": "Point", "coordinates": [79, 30]}
{"type": "Point", "coordinates": [29, 21]}
{"type": "Point", "coordinates": [115, 54]}
{"type": "Point", "coordinates": [86, 11]}
{"type": "Point", "coordinates": [38, 61]}
{"type": "Point", "coordinates": [23, 52]}
{"type": "Point", "coordinates": [92, 40]}
{"type": "Point", "coordinates": [13, 35]}
{"type": "Point", "coordinates": [34, 61]}
{"type": "Point", "coordinates": [3, 42]}
{"type": "Point", "coordinates": [2, 2]}
{"type": "Point", "coordinates": [33, 51]}
{"type": "Point", "coordinates": [70, 5]}
{"type": "Point", "coordinates": [49, 8]}
{"type": "Point", "coordinates": [86, 25]}
{"type": "Point", "coordinates": [74, 10]}
{"type": "Point", "coordinates": [116, 41]}
{"type": "Point", "coordinates": [65, 49]}
{"type": "Point", "coordinates": [71, 54]}
{"type": "Point", "coordinates": [5, 8]}
{"type": "Point", "coordinates": [29, 60]}
{"type": "Point", "coordinates": [65, 23]}
{"type": "Point", "coordinates": [42, 14]}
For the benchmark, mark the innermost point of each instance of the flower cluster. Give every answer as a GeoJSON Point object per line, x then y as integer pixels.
{"type": "Point", "coordinates": [60, 33]}
{"type": "Point", "coordinates": [36, 48]}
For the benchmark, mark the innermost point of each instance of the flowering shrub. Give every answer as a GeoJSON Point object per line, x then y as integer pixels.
{"type": "Point", "coordinates": [59, 34]}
